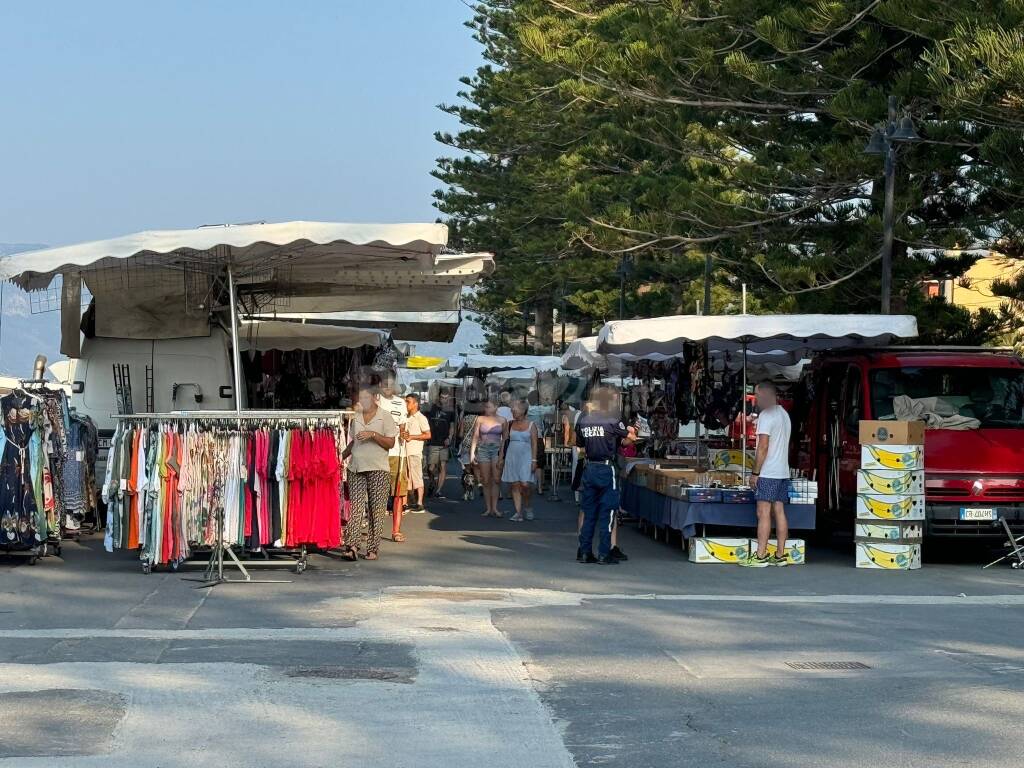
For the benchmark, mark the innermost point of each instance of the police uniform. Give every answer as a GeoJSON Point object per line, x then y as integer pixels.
{"type": "Point", "coordinates": [599, 434]}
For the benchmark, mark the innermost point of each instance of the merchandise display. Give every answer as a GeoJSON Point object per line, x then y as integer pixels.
{"type": "Point", "coordinates": [47, 465]}
{"type": "Point", "coordinates": [890, 496]}
{"type": "Point", "coordinates": [705, 549]}
{"type": "Point", "coordinates": [277, 480]}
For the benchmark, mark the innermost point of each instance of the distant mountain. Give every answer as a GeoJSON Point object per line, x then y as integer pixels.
{"type": "Point", "coordinates": [23, 335]}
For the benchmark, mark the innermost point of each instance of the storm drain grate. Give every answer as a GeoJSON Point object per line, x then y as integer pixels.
{"type": "Point", "coordinates": [826, 665]}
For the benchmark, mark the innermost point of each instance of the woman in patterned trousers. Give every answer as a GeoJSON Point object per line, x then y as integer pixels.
{"type": "Point", "coordinates": [369, 475]}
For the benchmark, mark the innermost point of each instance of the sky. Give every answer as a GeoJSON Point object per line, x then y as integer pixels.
{"type": "Point", "coordinates": [125, 116]}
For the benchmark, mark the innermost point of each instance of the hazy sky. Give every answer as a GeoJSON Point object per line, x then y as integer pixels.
{"type": "Point", "coordinates": [124, 116]}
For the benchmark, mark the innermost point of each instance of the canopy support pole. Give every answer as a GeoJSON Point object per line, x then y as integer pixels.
{"type": "Point", "coordinates": [743, 405]}
{"type": "Point", "coordinates": [235, 350]}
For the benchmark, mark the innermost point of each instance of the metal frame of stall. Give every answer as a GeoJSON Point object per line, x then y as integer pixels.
{"type": "Point", "coordinates": [221, 553]}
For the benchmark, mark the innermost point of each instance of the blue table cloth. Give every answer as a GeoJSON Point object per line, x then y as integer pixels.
{"type": "Point", "coordinates": [686, 516]}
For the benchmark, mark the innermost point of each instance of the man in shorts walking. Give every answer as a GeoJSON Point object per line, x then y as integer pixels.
{"type": "Point", "coordinates": [441, 416]}
{"type": "Point", "coordinates": [770, 479]}
{"type": "Point", "coordinates": [417, 430]}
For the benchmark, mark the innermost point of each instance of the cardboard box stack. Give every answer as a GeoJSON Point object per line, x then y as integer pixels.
{"type": "Point", "coordinates": [890, 495]}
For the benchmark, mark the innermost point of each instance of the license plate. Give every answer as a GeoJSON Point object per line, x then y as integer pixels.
{"type": "Point", "coordinates": [981, 513]}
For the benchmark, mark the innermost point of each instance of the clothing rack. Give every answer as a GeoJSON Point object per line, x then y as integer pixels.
{"type": "Point", "coordinates": [221, 552]}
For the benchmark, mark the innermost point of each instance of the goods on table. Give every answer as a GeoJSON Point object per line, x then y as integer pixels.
{"type": "Point", "coordinates": [890, 495]}
{"type": "Point", "coordinates": [707, 549]}
{"type": "Point", "coordinates": [802, 491]}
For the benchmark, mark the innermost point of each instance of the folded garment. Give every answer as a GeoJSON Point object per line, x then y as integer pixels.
{"type": "Point", "coordinates": [935, 412]}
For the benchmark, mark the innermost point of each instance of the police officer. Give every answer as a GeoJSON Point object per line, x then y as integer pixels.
{"type": "Point", "coordinates": [599, 434]}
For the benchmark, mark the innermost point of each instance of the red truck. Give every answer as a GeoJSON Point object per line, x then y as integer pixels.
{"type": "Point", "coordinates": [977, 469]}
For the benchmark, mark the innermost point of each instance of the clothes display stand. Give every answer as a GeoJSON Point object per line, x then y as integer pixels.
{"type": "Point", "coordinates": [266, 484]}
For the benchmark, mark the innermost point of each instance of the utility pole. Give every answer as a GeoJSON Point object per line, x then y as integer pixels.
{"type": "Point", "coordinates": [883, 142]}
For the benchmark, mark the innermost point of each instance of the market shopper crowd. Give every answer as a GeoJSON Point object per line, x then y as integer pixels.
{"type": "Point", "coordinates": [399, 454]}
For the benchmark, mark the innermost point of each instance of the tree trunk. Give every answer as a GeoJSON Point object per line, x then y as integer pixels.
{"type": "Point", "coordinates": [544, 327]}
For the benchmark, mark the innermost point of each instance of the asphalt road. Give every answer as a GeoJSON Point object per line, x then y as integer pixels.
{"type": "Point", "coordinates": [484, 642]}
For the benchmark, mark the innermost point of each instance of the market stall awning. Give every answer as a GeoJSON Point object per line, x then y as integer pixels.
{"type": "Point", "coordinates": [440, 325]}
{"type": "Point", "coordinates": [165, 284]}
{"type": "Point", "coordinates": [265, 335]}
{"type": "Point", "coordinates": [795, 334]}
{"type": "Point", "coordinates": [481, 364]}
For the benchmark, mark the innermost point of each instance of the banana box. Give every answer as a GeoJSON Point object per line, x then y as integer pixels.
{"type": "Point", "coordinates": [796, 549]}
{"type": "Point", "coordinates": [897, 531]}
{"type": "Point", "coordinates": [906, 457]}
{"type": "Point", "coordinates": [881, 507]}
{"type": "Point", "coordinates": [730, 460]}
{"type": "Point", "coordinates": [896, 482]}
{"type": "Point", "coordinates": [718, 550]}
{"type": "Point", "coordinates": [889, 557]}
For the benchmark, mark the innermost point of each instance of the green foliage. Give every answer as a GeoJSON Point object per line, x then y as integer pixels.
{"type": "Point", "coordinates": [668, 129]}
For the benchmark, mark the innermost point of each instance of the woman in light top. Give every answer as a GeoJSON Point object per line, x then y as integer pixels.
{"type": "Point", "coordinates": [373, 433]}
{"type": "Point", "coordinates": [521, 461]}
{"type": "Point", "coordinates": [485, 452]}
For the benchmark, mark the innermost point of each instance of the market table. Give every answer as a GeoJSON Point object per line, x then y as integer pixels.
{"type": "Point", "coordinates": [685, 516]}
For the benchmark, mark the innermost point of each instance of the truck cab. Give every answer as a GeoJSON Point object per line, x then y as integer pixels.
{"type": "Point", "coordinates": [981, 467]}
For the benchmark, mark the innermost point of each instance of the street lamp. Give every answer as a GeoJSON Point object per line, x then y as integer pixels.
{"type": "Point", "coordinates": [883, 142]}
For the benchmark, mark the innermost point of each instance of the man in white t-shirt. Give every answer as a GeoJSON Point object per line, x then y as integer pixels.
{"type": "Point", "coordinates": [395, 405]}
{"type": "Point", "coordinates": [770, 478]}
{"type": "Point", "coordinates": [417, 430]}
{"type": "Point", "coordinates": [505, 407]}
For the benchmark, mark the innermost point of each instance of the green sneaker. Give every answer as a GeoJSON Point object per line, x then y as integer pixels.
{"type": "Point", "coordinates": [753, 561]}
{"type": "Point", "coordinates": [780, 562]}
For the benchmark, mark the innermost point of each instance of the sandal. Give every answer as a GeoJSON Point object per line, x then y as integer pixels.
{"type": "Point", "coordinates": [370, 556]}
{"type": "Point", "coordinates": [516, 518]}
{"type": "Point", "coordinates": [398, 537]}
{"type": "Point", "coordinates": [350, 554]}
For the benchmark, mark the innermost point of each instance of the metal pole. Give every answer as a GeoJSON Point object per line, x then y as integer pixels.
{"type": "Point", "coordinates": [743, 472]}
{"type": "Point", "coordinates": [622, 291]}
{"type": "Point", "coordinates": [888, 214]}
{"type": "Point", "coordinates": [236, 352]}
{"type": "Point", "coordinates": [744, 299]}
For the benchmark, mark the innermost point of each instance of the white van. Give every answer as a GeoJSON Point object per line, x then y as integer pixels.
{"type": "Point", "coordinates": [192, 374]}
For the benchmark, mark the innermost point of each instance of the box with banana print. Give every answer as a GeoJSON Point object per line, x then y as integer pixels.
{"type": "Point", "coordinates": [895, 531]}
{"type": "Point", "coordinates": [796, 550]}
{"type": "Point", "coordinates": [718, 550]}
{"type": "Point", "coordinates": [902, 457]}
{"type": "Point", "coordinates": [893, 482]}
{"type": "Point", "coordinates": [888, 556]}
{"type": "Point", "coordinates": [883, 507]}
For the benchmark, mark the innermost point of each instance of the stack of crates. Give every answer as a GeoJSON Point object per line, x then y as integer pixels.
{"type": "Point", "coordinates": [890, 495]}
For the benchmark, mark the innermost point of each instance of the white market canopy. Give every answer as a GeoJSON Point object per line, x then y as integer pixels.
{"type": "Point", "coordinates": [583, 354]}
{"type": "Point", "coordinates": [470, 364]}
{"type": "Point", "coordinates": [409, 326]}
{"type": "Point", "coordinates": [157, 284]}
{"type": "Point", "coordinates": [265, 335]}
{"type": "Point", "coordinates": [794, 334]}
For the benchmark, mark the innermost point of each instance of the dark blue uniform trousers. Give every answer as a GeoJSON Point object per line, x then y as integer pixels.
{"type": "Point", "coordinates": [600, 498]}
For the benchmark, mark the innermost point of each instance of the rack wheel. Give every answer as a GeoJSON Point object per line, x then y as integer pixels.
{"type": "Point", "coordinates": [58, 550]}
{"type": "Point", "coordinates": [33, 560]}
{"type": "Point", "coordinates": [174, 566]}
{"type": "Point", "coordinates": [147, 568]}
{"type": "Point", "coordinates": [300, 566]}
